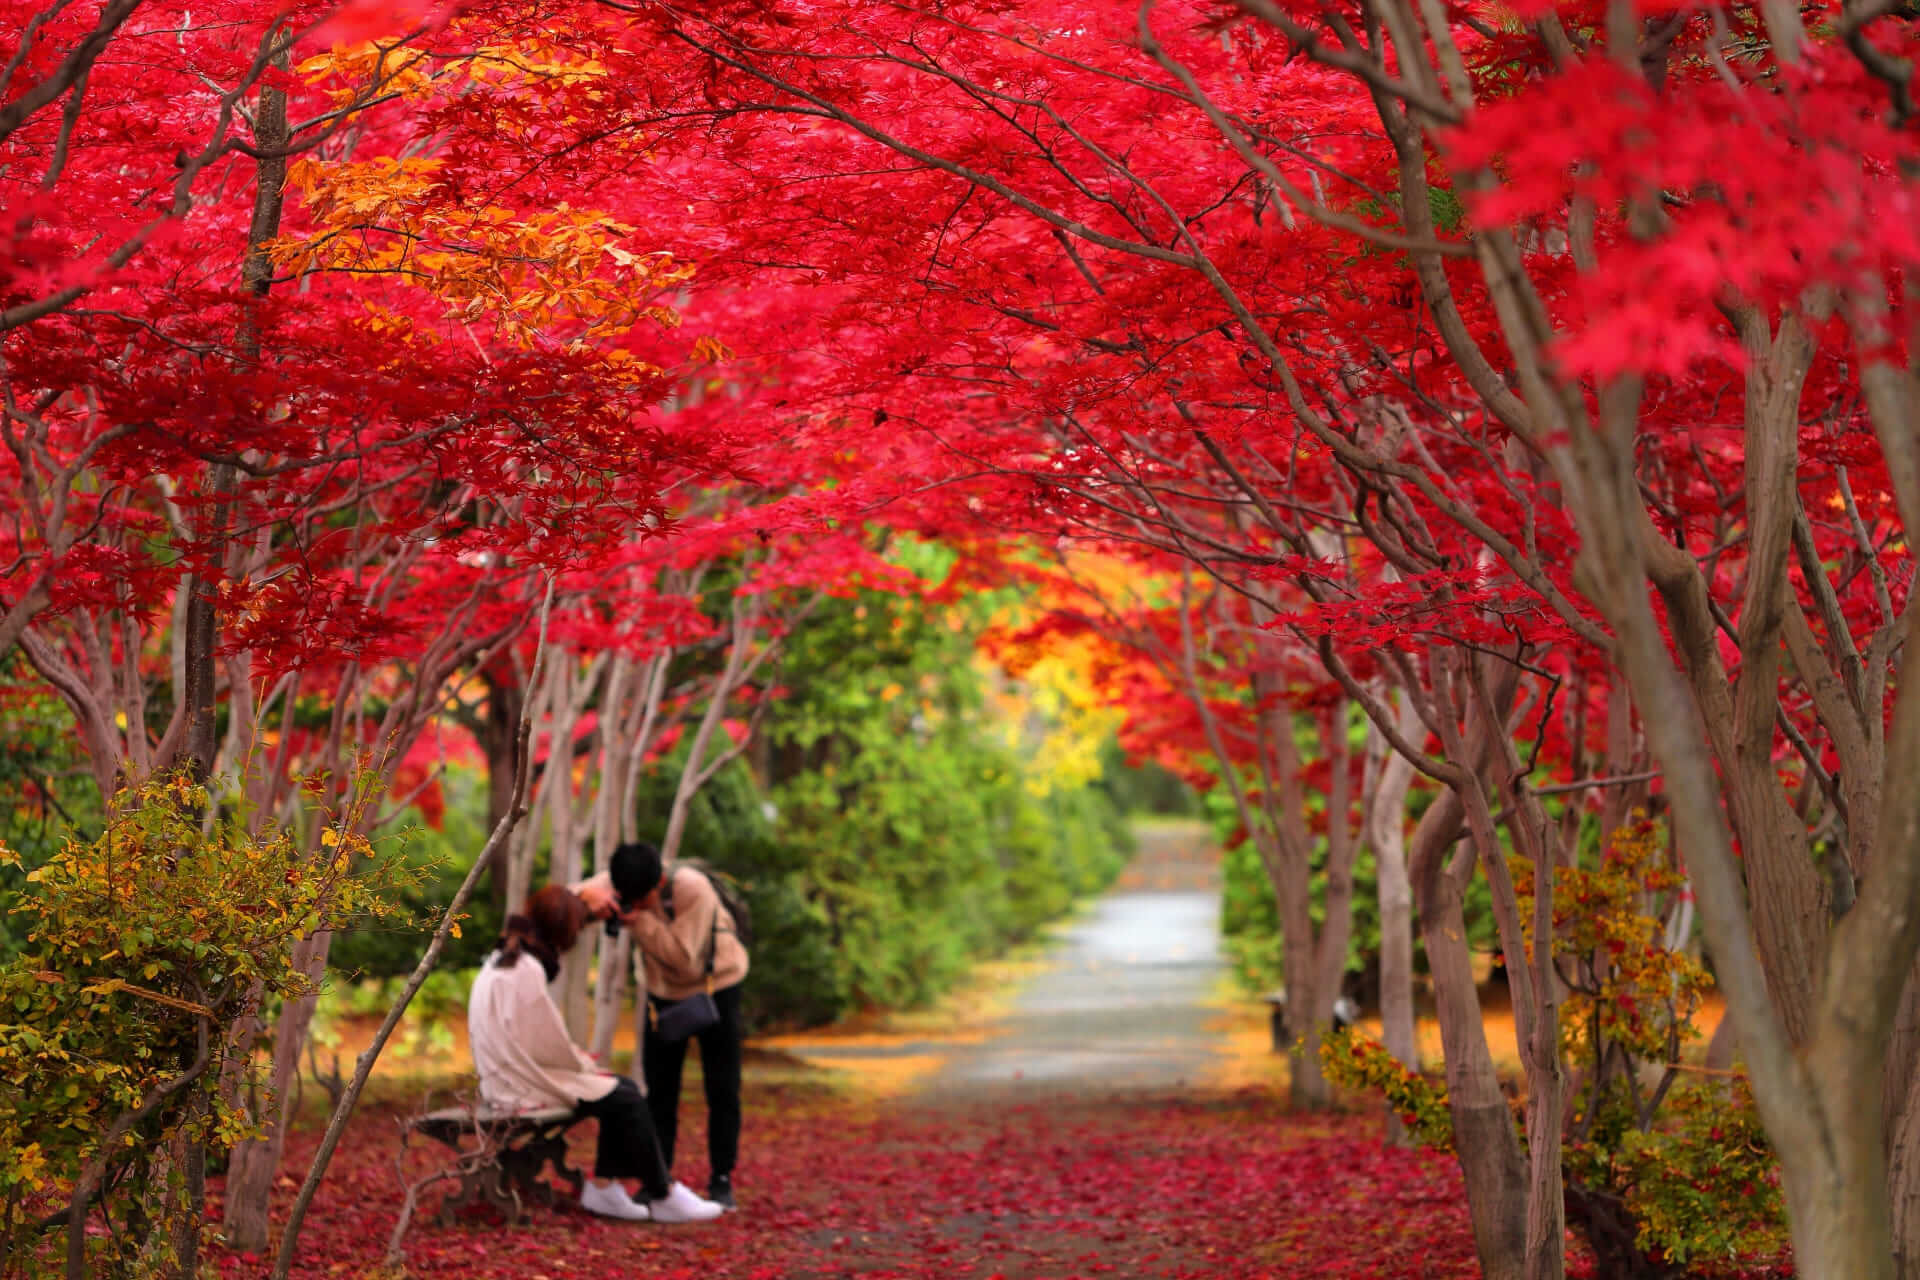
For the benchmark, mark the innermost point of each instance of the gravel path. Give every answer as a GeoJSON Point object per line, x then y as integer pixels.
{"type": "Point", "coordinates": [1121, 1003]}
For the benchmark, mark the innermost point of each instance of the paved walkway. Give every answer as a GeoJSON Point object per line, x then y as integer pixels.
{"type": "Point", "coordinates": [1122, 1003]}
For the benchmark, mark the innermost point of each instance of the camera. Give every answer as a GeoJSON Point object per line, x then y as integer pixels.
{"type": "Point", "coordinates": [612, 922]}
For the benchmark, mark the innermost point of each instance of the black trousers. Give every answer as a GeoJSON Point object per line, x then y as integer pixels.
{"type": "Point", "coordinates": [628, 1147]}
{"type": "Point", "coordinates": [721, 1046]}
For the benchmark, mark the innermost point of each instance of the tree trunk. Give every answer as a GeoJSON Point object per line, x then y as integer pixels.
{"type": "Point", "coordinates": [1485, 1140]}
{"type": "Point", "coordinates": [1903, 1186]}
{"type": "Point", "coordinates": [632, 715]}
{"type": "Point", "coordinates": [1723, 1046]}
{"type": "Point", "coordinates": [1535, 987]}
{"type": "Point", "coordinates": [202, 588]}
{"type": "Point", "coordinates": [1612, 1233]}
{"type": "Point", "coordinates": [1308, 1006]}
{"type": "Point", "coordinates": [1546, 1081]}
{"type": "Point", "coordinates": [609, 991]}
{"type": "Point", "coordinates": [1836, 1193]}
{"type": "Point", "coordinates": [524, 847]}
{"type": "Point", "coordinates": [1328, 947]}
{"type": "Point", "coordinates": [253, 1164]}
{"type": "Point", "coordinates": [1900, 1111]}
{"type": "Point", "coordinates": [499, 739]}
{"type": "Point", "coordinates": [564, 862]}
{"type": "Point", "coordinates": [1386, 836]}
{"type": "Point", "coordinates": [190, 1159]}
{"type": "Point", "coordinates": [257, 1160]}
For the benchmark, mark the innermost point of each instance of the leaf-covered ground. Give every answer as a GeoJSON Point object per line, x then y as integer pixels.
{"type": "Point", "coordinates": [889, 1152]}
{"type": "Point", "coordinates": [832, 1183]}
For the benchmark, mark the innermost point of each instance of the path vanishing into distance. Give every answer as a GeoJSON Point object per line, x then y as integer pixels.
{"type": "Point", "coordinates": [1124, 1000]}
{"type": "Point", "coordinates": [1121, 1001]}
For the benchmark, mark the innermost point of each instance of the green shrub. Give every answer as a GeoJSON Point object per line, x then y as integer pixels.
{"type": "Point", "coordinates": [47, 795]}
{"type": "Point", "coordinates": [1145, 788]}
{"type": "Point", "coordinates": [140, 952]}
{"type": "Point", "coordinates": [1698, 1189]}
{"type": "Point", "coordinates": [436, 860]}
{"type": "Point", "coordinates": [919, 832]}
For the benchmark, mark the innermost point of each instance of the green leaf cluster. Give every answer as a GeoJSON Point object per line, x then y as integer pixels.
{"type": "Point", "coordinates": [1357, 1061]}
{"type": "Point", "coordinates": [142, 956]}
{"type": "Point", "coordinates": [921, 845]}
{"type": "Point", "coordinates": [1701, 1188]}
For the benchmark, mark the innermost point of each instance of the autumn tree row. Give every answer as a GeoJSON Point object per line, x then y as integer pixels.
{"type": "Point", "coordinates": [1539, 382]}
{"type": "Point", "coordinates": [1542, 381]}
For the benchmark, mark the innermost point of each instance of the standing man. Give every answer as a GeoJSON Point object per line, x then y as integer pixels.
{"type": "Point", "coordinates": [689, 944]}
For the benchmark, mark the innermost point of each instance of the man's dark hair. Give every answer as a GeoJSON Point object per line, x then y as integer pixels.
{"type": "Point", "coordinates": [635, 870]}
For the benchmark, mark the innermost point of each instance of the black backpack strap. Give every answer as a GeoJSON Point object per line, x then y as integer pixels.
{"type": "Point", "coordinates": [713, 930]}
{"type": "Point", "coordinates": [719, 905]}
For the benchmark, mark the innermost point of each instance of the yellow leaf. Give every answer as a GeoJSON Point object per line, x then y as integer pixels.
{"type": "Point", "coordinates": [456, 930]}
{"type": "Point", "coordinates": [329, 837]}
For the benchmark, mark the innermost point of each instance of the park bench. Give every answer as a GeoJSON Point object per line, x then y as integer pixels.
{"type": "Point", "coordinates": [1345, 1014]}
{"type": "Point", "coordinates": [500, 1156]}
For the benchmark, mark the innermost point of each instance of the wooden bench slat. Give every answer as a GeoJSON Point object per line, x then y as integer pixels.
{"type": "Point", "coordinates": [470, 1118]}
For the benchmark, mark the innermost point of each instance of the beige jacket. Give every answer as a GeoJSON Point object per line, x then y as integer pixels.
{"type": "Point", "coordinates": [520, 1044]}
{"type": "Point", "coordinates": [672, 955]}
{"type": "Point", "coordinates": [675, 951]}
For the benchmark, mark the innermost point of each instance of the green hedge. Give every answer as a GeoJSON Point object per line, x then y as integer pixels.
{"type": "Point", "coordinates": [440, 859]}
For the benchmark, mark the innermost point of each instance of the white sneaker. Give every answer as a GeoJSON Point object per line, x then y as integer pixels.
{"type": "Point", "coordinates": [681, 1205]}
{"type": "Point", "coordinates": [612, 1201]}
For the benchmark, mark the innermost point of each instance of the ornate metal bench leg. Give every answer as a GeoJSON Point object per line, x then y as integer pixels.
{"type": "Point", "coordinates": [520, 1169]}
{"type": "Point", "coordinates": [524, 1161]}
{"type": "Point", "coordinates": [477, 1186]}
{"type": "Point", "coordinates": [550, 1149]}
{"type": "Point", "coordinates": [505, 1196]}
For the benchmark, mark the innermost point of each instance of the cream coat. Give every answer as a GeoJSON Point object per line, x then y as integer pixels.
{"type": "Point", "coordinates": [520, 1044]}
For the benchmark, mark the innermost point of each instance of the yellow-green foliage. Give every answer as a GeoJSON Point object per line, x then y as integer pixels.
{"type": "Point", "coordinates": [1701, 1183]}
{"type": "Point", "coordinates": [144, 950]}
{"type": "Point", "coordinates": [1708, 1190]}
{"type": "Point", "coordinates": [1354, 1061]}
{"type": "Point", "coordinates": [1629, 990]}
{"type": "Point", "coordinates": [1689, 1169]}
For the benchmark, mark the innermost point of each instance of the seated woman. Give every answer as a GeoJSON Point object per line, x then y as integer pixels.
{"type": "Point", "coordinates": [527, 1062]}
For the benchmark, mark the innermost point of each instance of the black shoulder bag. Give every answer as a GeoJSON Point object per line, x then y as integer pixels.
{"type": "Point", "coordinates": [675, 1020]}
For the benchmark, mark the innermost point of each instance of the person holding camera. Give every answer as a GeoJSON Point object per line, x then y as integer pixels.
{"type": "Point", "coordinates": [527, 1062]}
{"type": "Point", "coordinates": [694, 962]}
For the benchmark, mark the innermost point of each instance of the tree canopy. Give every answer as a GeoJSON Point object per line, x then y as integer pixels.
{"type": "Point", "coordinates": [1518, 403]}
